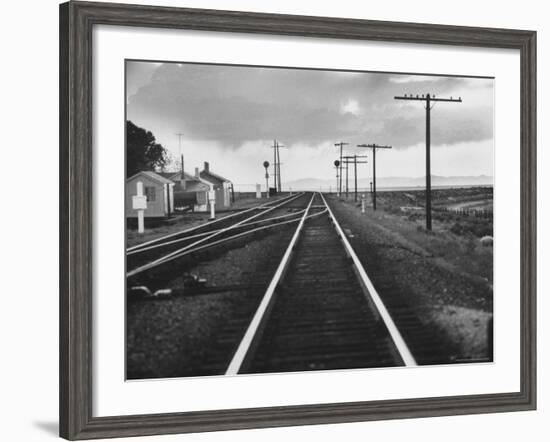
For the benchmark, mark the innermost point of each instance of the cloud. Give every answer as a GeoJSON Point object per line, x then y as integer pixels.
{"type": "Point", "coordinates": [235, 105]}
{"type": "Point", "coordinates": [400, 79]}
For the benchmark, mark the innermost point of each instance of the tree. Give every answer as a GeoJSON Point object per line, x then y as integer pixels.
{"type": "Point", "coordinates": [142, 150]}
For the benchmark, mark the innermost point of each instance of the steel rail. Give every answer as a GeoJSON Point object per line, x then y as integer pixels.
{"type": "Point", "coordinates": [398, 340]}
{"type": "Point", "coordinates": [239, 235]}
{"type": "Point", "coordinates": [251, 332]}
{"type": "Point", "coordinates": [199, 235]}
{"type": "Point", "coordinates": [191, 229]}
{"type": "Point", "coordinates": [161, 260]}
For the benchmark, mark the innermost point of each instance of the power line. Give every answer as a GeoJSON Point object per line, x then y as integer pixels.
{"type": "Point", "coordinates": [428, 99]}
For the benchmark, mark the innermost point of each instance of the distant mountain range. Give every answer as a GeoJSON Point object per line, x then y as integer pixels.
{"type": "Point", "coordinates": [391, 182]}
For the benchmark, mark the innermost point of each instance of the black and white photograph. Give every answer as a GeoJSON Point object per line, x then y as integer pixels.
{"type": "Point", "coordinates": [282, 219]}
{"type": "Point", "coordinates": [291, 220]}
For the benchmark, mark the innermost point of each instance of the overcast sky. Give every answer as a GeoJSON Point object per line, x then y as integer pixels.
{"type": "Point", "coordinates": [230, 115]}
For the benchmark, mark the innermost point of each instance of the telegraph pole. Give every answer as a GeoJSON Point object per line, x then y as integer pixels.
{"type": "Point", "coordinates": [278, 168]}
{"type": "Point", "coordinates": [277, 183]}
{"type": "Point", "coordinates": [348, 160]}
{"type": "Point", "coordinates": [355, 176]}
{"type": "Point", "coordinates": [347, 167]}
{"type": "Point", "coordinates": [179, 135]}
{"type": "Point", "coordinates": [341, 144]}
{"type": "Point", "coordinates": [428, 99]}
{"type": "Point", "coordinates": [275, 165]}
{"type": "Point", "coordinates": [374, 147]}
{"type": "Point", "coordinates": [280, 183]}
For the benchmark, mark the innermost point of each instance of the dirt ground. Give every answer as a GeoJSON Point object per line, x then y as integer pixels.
{"type": "Point", "coordinates": [175, 337]}
{"type": "Point", "coordinates": [448, 278]}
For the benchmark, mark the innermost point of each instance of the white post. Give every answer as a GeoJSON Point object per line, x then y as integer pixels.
{"type": "Point", "coordinates": [258, 191]}
{"type": "Point", "coordinates": [212, 201]}
{"type": "Point", "coordinates": [363, 203]}
{"type": "Point", "coordinates": [141, 212]}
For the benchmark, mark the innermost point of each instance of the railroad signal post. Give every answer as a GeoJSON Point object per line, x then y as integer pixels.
{"type": "Point", "coordinates": [428, 99]}
{"type": "Point", "coordinates": [341, 145]}
{"type": "Point", "coordinates": [374, 147]}
{"type": "Point", "coordinates": [337, 166]}
{"type": "Point", "coordinates": [266, 166]}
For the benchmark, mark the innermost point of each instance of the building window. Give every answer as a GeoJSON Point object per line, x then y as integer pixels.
{"type": "Point", "coordinates": [150, 193]}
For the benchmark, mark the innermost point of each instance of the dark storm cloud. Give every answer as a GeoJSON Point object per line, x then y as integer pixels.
{"type": "Point", "coordinates": [233, 105]}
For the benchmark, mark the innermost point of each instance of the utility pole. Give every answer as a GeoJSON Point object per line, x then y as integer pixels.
{"type": "Point", "coordinates": [280, 183]}
{"type": "Point", "coordinates": [278, 169]}
{"type": "Point", "coordinates": [277, 183]}
{"type": "Point", "coordinates": [179, 135]}
{"type": "Point", "coordinates": [275, 165]}
{"type": "Point", "coordinates": [355, 176]}
{"type": "Point", "coordinates": [374, 147]}
{"type": "Point", "coordinates": [348, 160]}
{"type": "Point", "coordinates": [341, 144]}
{"type": "Point", "coordinates": [346, 180]}
{"type": "Point", "coordinates": [428, 99]}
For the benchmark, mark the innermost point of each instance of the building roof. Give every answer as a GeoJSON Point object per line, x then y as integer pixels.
{"type": "Point", "coordinates": [196, 186]}
{"type": "Point", "coordinates": [152, 176]}
{"type": "Point", "coordinates": [213, 177]}
{"type": "Point", "coordinates": [192, 183]}
{"type": "Point", "coordinates": [176, 176]}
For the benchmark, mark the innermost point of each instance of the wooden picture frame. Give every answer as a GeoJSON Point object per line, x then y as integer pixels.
{"type": "Point", "coordinates": [76, 22]}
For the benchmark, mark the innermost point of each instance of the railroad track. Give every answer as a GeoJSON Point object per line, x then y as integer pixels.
{"type": "Point", "coordinates": [152, 254]}
{"type": "Point", "coordinates": [311, 306]}
{"type": "Point", "coordinates": [425, 341]}
{"type": "Point", "coordinates": [319, 311]}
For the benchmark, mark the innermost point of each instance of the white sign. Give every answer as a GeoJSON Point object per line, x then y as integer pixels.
{"type": "Point", "coordinates": [211, 195]}
{"type": "Point", "coordinates": [139, 202]}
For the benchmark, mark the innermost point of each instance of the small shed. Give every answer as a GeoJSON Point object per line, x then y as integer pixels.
{"type": "Point", "coordinates": [222, 186]}
{"type": "Point", "coordinates": [189, 190]}
{"type": "Point", "coordinates": [158, 190]}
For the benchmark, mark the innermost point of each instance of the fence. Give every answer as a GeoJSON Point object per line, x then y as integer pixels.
{"type": "Point", "coordinates": [478, 213]}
